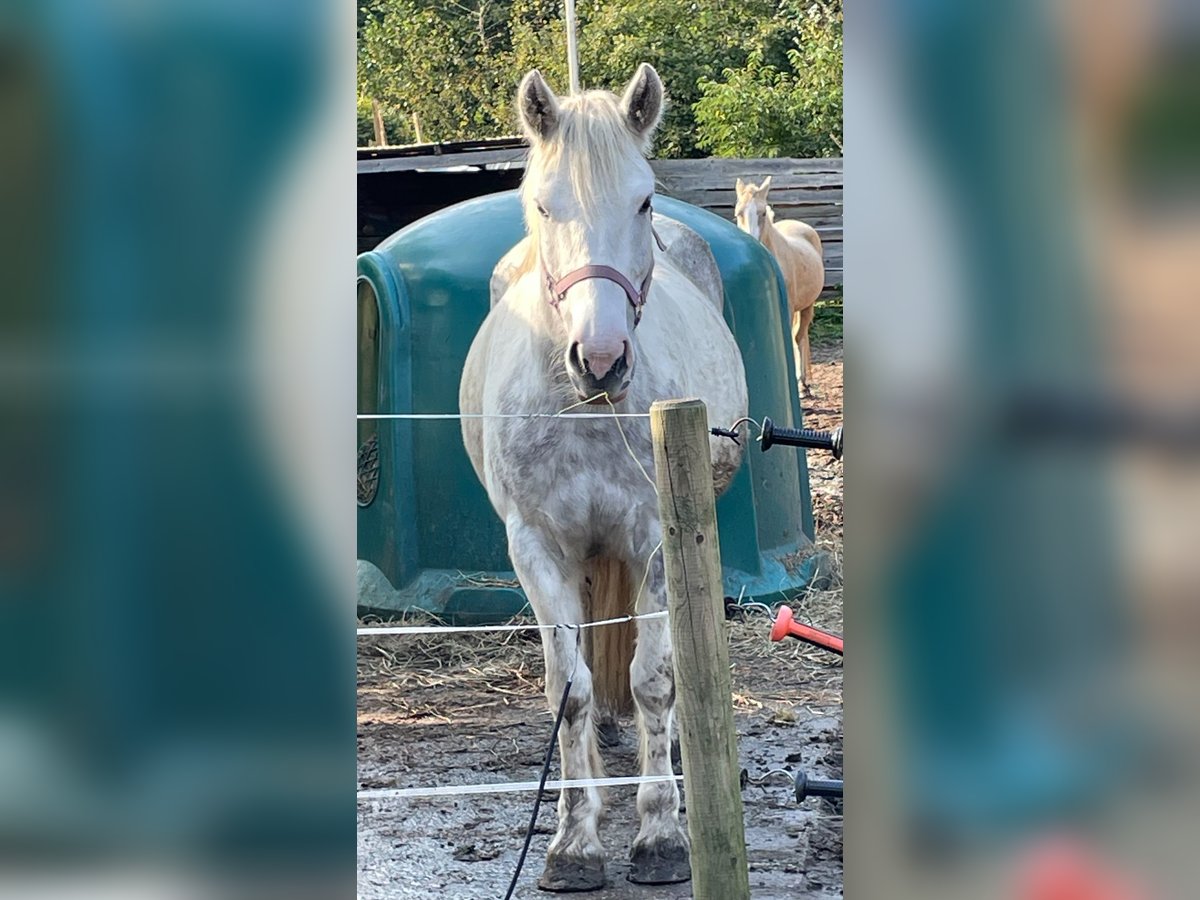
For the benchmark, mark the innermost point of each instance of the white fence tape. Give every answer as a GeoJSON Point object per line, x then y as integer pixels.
{"type": "Point", "coordinates": [559, 415]}
{"type": "Point", "coordinates": [452, 629]}
{"type": "Point", "coordinates": [507, 787]}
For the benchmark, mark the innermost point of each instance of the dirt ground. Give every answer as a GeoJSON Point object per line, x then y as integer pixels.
{"type": "Point", "coordinates": [469, 708]}
{"type": "Point", "coordinates": [825, 413]}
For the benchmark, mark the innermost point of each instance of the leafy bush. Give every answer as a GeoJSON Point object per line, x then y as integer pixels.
{"type": "Point", "coordinates": [686, 42]}
{"type": "Point", "coordinates": [744, 77]}
{"type": "Point", "coordinates": [366, 122]}
{"type": "Point", "coordinates": [795, 109]}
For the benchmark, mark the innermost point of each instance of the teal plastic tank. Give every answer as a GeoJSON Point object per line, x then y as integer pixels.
{"type": "Point", "coordinates": [424, 519]}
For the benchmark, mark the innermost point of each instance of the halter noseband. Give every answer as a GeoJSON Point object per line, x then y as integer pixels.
{"type": "Point", "coordinates": [558, 287]}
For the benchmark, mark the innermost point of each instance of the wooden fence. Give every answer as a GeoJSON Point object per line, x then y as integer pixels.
{"type": "Point", "coordinates": [391, 179]}
{"type": "Point", "coordinates": [805, 189]}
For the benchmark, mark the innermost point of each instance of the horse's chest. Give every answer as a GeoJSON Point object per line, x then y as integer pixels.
{"type": "Point", "coordinates": [573, 472]}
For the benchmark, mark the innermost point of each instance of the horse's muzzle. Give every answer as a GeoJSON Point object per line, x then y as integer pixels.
{"type": "Point", "coordinates": [614, 382]}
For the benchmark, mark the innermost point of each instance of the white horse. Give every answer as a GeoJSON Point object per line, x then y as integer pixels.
{"type": "Point", "coordinates": [796, 246]}
{"type": "Point", "coordinates": [585, 309]}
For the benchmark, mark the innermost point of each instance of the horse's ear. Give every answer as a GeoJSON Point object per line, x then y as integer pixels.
{"type": "Point", "coordinates": [741, 186]}
{"type": "Point", "coordinates": [765, 186]}
{"type": "Point", "coordinates": [538, 106]}
{"type": "Point", "coordinates": [643, 102]}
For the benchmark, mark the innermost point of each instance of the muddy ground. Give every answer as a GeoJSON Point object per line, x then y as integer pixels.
{"type": "Point", "coordinates": [468, 709]}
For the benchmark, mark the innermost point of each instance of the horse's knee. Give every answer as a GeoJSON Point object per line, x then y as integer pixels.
{"type": "Point", "coordinates": [578, 708]}
{"type": "Point", "coordinates": [579, 701]}
{"type": "Point", "coordinates": [653, 686]}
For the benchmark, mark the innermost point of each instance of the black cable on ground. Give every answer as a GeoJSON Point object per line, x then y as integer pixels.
{"type": "Point", "coordinates": [537, 803]}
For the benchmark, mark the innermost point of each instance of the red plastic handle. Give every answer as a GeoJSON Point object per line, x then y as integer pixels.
{"type": "Point", "coordinates": [787, 626]}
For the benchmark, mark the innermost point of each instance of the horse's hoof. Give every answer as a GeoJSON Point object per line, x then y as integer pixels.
{"type": "Point", "coordinates": [664, 861]}
{"type": "Point", "coordinates": [609, 734]}
{"type": "Point", "coordinates": [572, 874]}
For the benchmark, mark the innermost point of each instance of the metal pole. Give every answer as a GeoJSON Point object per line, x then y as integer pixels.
{"type": "Point", "coordinates": [572, 48]}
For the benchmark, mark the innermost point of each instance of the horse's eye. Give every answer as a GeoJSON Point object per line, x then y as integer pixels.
{"type": "Point", "coordinates": [645, 207]}
{"type": "Point", "coordinates": [542, 211]}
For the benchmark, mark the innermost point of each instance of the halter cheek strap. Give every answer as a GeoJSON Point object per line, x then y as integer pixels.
{"type": "Point", "coordinates": [558, 287]}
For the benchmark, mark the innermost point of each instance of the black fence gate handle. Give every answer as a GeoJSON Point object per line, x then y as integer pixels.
{"type": "Point", "coordinates": [802, 437]}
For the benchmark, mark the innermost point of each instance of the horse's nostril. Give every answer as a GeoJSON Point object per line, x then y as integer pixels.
{"type": "Point", "coordinates": [576, 359]}
{"type": "Point", "coordinates": [624, 364]}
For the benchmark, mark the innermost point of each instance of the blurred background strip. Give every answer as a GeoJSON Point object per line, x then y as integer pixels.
{"type": "Point", "coordinates": [177, 665]}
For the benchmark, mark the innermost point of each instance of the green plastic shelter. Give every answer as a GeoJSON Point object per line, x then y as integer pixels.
{"type": "Point", "coordinates": [424, 519]}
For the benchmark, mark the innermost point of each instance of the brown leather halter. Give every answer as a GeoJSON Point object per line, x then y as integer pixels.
{"type": "Point", "coordinates": [558, 287]}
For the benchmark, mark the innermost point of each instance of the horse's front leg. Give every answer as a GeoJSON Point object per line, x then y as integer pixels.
{"type": "Point", "coordinates": [660, 852]}
{"type": "Point", "coordinates": [575, 859]}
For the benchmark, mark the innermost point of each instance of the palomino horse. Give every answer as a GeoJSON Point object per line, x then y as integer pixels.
{"type": "Point", "coordinates": [797, 248]}
{"type": "Point", "coordinates": [587, 310]}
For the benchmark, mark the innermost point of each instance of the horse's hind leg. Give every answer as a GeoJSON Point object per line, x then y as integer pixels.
{"type": "Point", "coordinates": [804, 372]}
{"type": "Point", "coordinates": [575, 859]}
{"type": "Point", "coordinates": [660, 852]}
{"type": "Point", "coordinates": [798, 349]}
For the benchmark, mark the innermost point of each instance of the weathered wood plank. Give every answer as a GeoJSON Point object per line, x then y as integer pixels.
{"type": "Point", "coordinates": [825, 225]}
{"type": "Point", "coordinates": [514, 156]}
{"type": "Point", "coordinates": [791, 211]}
{"type": "Point", "coordinates": [688, 170]}
{"type": "Point", "coordinates": [724, 166]}
{"type": "Point", "coordinates": [813, 208]}
{"type": "Point", "coordinates": [712, 168]}
{"type": "Point", "coordinates": [793, 183]}
{"type": "Point", "coordinates": [815, 182]}
{"type": "Point", "coordinates": [831, 197]}
{"type": "Point", "coordinates": [442, 147]}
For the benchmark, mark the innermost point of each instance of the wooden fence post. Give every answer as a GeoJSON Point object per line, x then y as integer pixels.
{"type": "Point", "coordinates": [377, 117]}
{"type": "Point", "coordinates": [703, 704]}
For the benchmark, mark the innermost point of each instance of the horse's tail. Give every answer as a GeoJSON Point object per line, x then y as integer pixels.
{"type": "Point", "coordinates": [609, 648]}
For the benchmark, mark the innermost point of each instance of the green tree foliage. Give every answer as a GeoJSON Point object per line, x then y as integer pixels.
{"type": "Point", "coordinates": [737, 71]}
{"type": "Point", "coordinates": [366, 122]}
{"type": "Point", "coordinates": [443, 61]}
{"type": "Point", "coordinates": [686, 43]}
{"type": "Point", "coordinates": [765, 108]}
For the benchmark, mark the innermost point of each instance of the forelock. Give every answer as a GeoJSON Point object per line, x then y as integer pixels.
{"type": "Point", "coordinates": [595, 144]}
